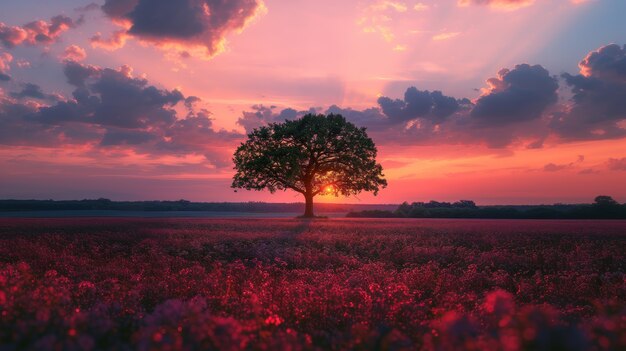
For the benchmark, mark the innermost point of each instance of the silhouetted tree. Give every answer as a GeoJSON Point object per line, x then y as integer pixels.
{"type": "Point", "coordinates": [605, 201]}
{"type": "Point", "coordinates": [464, 204]}
{"type": "Point", "coordinates": [313, 155]}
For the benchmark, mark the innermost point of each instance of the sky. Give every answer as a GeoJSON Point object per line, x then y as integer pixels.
{"type": "Point", "coordinates": [496, 101]}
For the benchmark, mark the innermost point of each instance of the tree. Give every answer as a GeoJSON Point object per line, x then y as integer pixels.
{"type": "Point", "coordinates": [313, 155]}
{"type": "Point", "coordinates": [605, 201]}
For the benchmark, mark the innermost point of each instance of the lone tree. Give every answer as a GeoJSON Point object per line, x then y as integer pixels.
{"type": "Point", "coordinates": [312, 155]}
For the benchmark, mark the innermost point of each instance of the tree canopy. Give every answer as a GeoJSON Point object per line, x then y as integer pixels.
{"type": "Point", "coordinates": [313, 155]}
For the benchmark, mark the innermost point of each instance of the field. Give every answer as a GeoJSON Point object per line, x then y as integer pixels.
{"type": "Point", "coordinates": [282, 284]}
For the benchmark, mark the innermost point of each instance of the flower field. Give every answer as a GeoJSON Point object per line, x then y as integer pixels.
{"type": "Point", "coordinates": [340, 284]}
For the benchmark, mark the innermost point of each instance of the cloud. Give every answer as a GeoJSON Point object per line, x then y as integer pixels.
{"type": "Point", "coordinates": [498, 4]}
{"type": "Point", "coordinates": [420, 118]}
{"type": "Point", "coordinates": [588, 171]}
{"type": "Point", "coordinates": [598, 105]}
{"type": "Point", "coordinates": [112, 109]}
{"type": "Point", "coordinates": [445, 36]}
{"type": "Point", "coordinates": [17, 129]}
{"type": "Point", "coordinates": [21, 63]}
{"type": "Point", "coordinates": [372, 118]}
{"type": "Point", "coordinates": [74, 53]}
{"type": "Point", "coordinates": [617, 164]}
{"type": "Point", "coordinates": [520, 94]}
{"type": "Point", "coordinates": [607, 63]}
{"type": "Point", "coordinates": [420, 6]}
{"type": "Point", "coordinates": [36, 32]}
{"type": "Point", "coordinates": [262, 115]}
{"type": "Point", "coordinates": [32, 91]}
{"type": "Point", "coordinates": [376, 17]}
{"type": "Point", "coordinates": [552, 167]}
{"type": "Point", "coordinates": [389, 5]}
{"type": "Point", "coordinates": [518, 106]}
{"type": "Point", "coordinates": [77, 73]}
{"type": "Point", "coordinates": [5, 61]}
{"type": "Point", "coordinates": [419, 104]}
{"type": "Point", "coordinates": [89, 7]}
{"type": "Point", "coordinates": [185, 25]}
{"type": "Point", "coordinates": [11, 36]}
{"type": "Point", "coordinates": [115, 41]}
{"type": "Point", "coordinates": [110, 97]}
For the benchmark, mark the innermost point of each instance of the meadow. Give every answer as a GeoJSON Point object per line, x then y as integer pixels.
{"type": "Point", "coordinates": [287, 284]}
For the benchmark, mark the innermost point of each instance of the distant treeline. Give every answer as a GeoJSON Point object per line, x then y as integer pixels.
{"type": "Point", "coordinates": [180, 205]}
{"type": "Point", "coordinates": [604, 207]}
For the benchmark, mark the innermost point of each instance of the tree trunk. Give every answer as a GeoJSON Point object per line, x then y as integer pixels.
{"type": "Point", "coordinates": [308, 209]}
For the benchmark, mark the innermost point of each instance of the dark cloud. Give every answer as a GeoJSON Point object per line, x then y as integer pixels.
{"type": "Point", "coordinates": [599, 97]}
{"type": "Point", "coordinates": [112, 109]}
{"type": "Point", "coordinates": [118, 9]}
{"type": "Point", "coordinates": [121, 136]}
{"type": "Point", "coordinates": [17, 129]}
{"type": "Point", "coordinates": [130, 103]}
{"type": "Point", "coordinates": [76, 73]}
{"type": "Point", "coordinates": [4, 77]}
{"type": "Point", "coordinates": [36, 32]}
{"type": "Point", "coordinates": [516, 95]}
{"type": "Point", "coordinates": [185, 23]}
{"type": "Point", "coordinates": [30, 90]}
{"type": "Point", "coordinates": [114, 98]}
{"type": "Point", "coordinates": [168, 19]}
{"type": "Point", "coordinates": [608, 63]}
{"type": "Point", "coordinates": [419, 104]}
{"type": "Point", "coordinates": [261, 115]}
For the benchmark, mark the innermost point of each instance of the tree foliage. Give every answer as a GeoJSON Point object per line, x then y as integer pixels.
{"type": "Point", "coordinates": [313, 155]}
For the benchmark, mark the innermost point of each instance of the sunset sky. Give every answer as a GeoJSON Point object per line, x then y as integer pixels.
{"type": "Point", "coordinates": [497, 101]}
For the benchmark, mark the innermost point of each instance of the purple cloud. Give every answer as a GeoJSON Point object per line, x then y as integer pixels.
{"type": "Point", "coordinates": [520, 94]}
{"type": "Point", "coordinates": [599, 101]}
{"type": "Point", "coordinates": [185, 24]}
{"type": "Point", "coordinates": [113, 109]}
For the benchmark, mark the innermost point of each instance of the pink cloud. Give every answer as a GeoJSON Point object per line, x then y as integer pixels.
{"type": "Point", "coordinates": [5, 60]}
{"type": "Point", "coordinates": [115, 41]}
{"type": "Point", "coordinates": [36, 32]}
{"type": "Point", "coordinates": [74, 53]}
